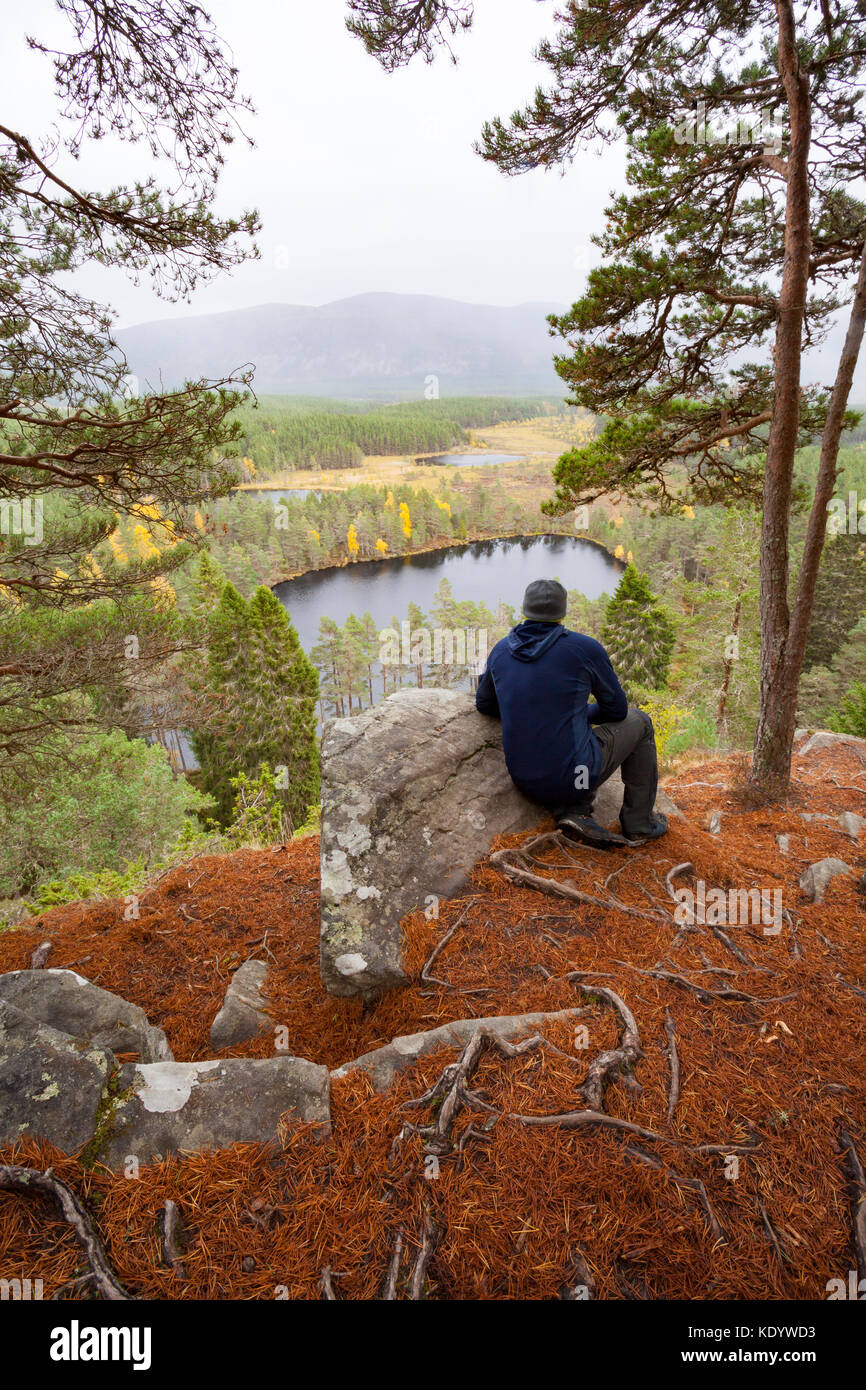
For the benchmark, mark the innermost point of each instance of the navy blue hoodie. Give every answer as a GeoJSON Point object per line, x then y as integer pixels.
{"type": "Point", "coordinates": [538, 682]}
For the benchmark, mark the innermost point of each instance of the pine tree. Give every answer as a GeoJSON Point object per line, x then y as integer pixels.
{"type": "Point", "coordinates": [638, 634]}
{"type": "Point", "coordinates": [258, 698]}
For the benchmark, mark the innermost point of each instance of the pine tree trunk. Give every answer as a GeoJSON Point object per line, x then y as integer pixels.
{"type": "Point", "coordinates": [774, 740]}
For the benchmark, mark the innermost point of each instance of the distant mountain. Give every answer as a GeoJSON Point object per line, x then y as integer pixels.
{"type": "Point", "coordinates": [368, 345]}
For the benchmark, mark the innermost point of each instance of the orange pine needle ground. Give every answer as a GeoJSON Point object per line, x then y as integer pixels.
{"type": "Point", "coordinates": [263, 1224]}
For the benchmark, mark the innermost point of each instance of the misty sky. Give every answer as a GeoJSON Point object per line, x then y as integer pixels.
{"type": "Point", "coordinates": [364, 180]}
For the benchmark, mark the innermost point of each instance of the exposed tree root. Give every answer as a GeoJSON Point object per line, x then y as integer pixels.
{"type": "Point", "coordinates": [389, 1293]}
{"type": "Point", "coordinates": [617, 1062]}
{"type": "Point", "coordinates": [30, 1181]}
{"type": "Point", "coordinates": [512, 863]}
{"type": "Point", "coordinates": [771, 1234]}
{"type": "Point", "coordinates": [693, 1184]}
{"type": "Point", "coordinates": [581, 1285]}
{"type": "Point", "coordinates": [735, 996]}
{"type": "Point", "coordinates": [674, 1064]}
{"type": "Point", "coordinates": [429, 1240]}
{"type": "Point", "coordinates": [858, 1179]}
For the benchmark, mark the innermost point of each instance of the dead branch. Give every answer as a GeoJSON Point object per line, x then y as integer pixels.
{"type": "Point", "coordinates": [170, 1232]}
{"type": "Point", "coordinates": [426, 977]}
{"type": "Point", "coordinates": [326, 1285]}
{"type": "Point", "coordinates": [41, 954]}
{"type": "Point", "coordinates": [31, 1181]}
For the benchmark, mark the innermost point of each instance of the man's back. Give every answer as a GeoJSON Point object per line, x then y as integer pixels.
{"type": "Point", "coordinates": [539, 680]}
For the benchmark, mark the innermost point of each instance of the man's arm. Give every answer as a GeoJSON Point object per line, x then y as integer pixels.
{"type": "Point", "coordinates": [485, 695]}
{"type": "Point", "coordinates": [612, 702]}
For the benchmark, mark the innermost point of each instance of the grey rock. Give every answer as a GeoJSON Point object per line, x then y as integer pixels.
{"type": "Point", "coordinates": [50, 1086]}
{"type": "Point", "coordinates": [815, 816]}
{"type": "Point", "coordinates": [41, 954]}
{"type": "Point", "coordinates": [714, 823]}
{"type": "Point", "coordinates": [385, 1063]}
{"type": "Point", "coordinates": [784, 843]}
{"type": "Point", "coordinates": [71, 1004]}
{"type": "Point", "coordinates": [815, 879]}
{"type": "Point", "coordinates": [175, 1107]}
{"type": "Point", "coordinates": [851, 824]}
{"type": "Point", "coordinates": [414, 791]}
{"type": "Point", "coordinates": [244, 1010]}
{"type": "Point", "coordinates": [824, 738]}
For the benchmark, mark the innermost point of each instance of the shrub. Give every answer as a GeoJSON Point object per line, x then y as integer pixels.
{"type": "Point", "coordinates": [103, 803]}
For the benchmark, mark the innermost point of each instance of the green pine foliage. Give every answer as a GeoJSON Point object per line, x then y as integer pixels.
{"type": "Point", "coordinates": [638, 634]}
{"type": "Point", "coordinates": [850, 718]}
{"type": "Point", "coordinates": [306, 432]}
{"type": "Point", "coordinates": [108, 801]}
{"type": "Point", "coordinates": [256, 699]}
{"type": "Point", "coordinates": [840, 597]}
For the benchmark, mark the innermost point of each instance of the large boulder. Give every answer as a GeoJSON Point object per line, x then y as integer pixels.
{"type": "Point", "coordinates": [50, 1086]}
{"type": "Point", "coordinates": [69, 1003]}
{"type": "Point", "coordinates": [414, 791]}
{"type": "Point", "coordinates": [176, 1107]}
{"type": "Point", "coordinates": [825, 738]}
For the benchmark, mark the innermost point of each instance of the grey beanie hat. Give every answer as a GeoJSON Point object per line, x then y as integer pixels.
{"type": "Point", "coordinates": [545, 601]}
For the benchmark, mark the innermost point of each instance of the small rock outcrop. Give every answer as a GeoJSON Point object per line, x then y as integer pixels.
{"type": "Point", "coordinates": [174, 1107]}
{"type": "Point", "coordinates": [815, 879]}
{"type": "Point", "coordinates": [851, 824]}
{"type": "Point", "coordinates": [71, 1004]}
{"type": "Point", "coordinates": [65, 1083]}
{"type": "Point", "coordinates": [817, 739]}
{"type": "Point", "coordinates": [50, 1087]}
{"type": "Point", "coordinates": [244, 1012]}
{"type": "Point", "coordinates": [414, 791]}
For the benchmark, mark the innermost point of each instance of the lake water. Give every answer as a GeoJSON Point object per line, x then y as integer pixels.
{"type": "Point", "coordinates": [481, 570]}
{"type": "Point", "coordinates": [470, 460]}
{"type": "Point", "coordinates": [275, 495]}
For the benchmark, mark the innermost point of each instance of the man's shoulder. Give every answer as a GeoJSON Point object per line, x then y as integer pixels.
{"type": "Point", "coordinates": [585, 645]}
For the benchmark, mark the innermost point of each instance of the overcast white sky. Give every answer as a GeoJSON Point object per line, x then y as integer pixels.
{"type": "Point", "coordinates": [364, 181]}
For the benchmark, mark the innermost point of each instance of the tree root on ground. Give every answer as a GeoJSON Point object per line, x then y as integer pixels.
{"type": "Point", "coordinates": [858, 1203]}
{"type": "Point", "coordinates": [32, 1181]}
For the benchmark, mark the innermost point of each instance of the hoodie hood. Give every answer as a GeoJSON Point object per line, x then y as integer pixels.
{"type": "Point", "coordinates": [529, 641]}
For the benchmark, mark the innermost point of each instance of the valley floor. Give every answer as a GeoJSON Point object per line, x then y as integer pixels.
{"type": "Point", "coordinates": [745, 1193]}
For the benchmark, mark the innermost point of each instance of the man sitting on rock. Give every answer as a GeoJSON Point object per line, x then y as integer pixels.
{"type": "Point", "coordinates": [559, 748]}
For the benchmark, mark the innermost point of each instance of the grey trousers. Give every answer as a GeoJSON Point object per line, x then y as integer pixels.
{"type": "Point", "coordinates": [628, 744]}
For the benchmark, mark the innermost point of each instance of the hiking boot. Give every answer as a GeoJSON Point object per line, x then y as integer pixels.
{"type": "Point", "coordinates": [658, 828]}
{"type": "Point", "coordinates": [585, 830]}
